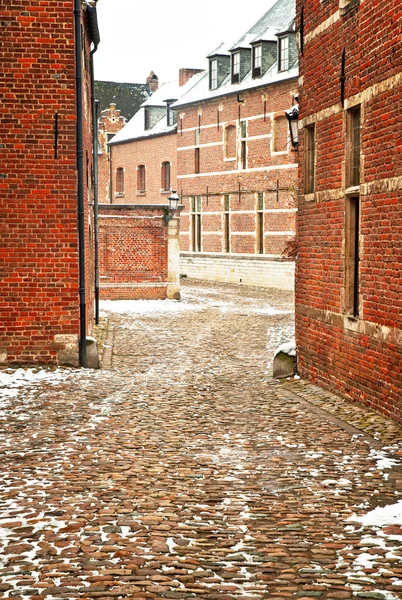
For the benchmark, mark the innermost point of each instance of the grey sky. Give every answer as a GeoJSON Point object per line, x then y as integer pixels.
{"type": "Point", "coordinates": [163, 36]}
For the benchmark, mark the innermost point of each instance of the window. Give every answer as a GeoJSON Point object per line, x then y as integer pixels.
{"type": "Point", "coordinates": [213, 74]}
{"type": "Point", "coordinates": [171, 116]}
{"type": "Point", "coordinates": [165, 178]}
{"type": "Point", "coordinates": [260, 223]}
{"type": "Point", "coordinates": [195, 213]}
{"type": "Point", "coordinates": [230, 141]}
{"type": "Point", "coordinates": [257, 57]}
{"type": "Point", "coordinates": [141, 179]}
{"type": "Point", "coordinates": [120, 182]}
{"type": "Point", "coordinates": [243, 129]}
{"type": "Point", "coordinates": [226, 223]}
{"type": "Point", "coordinates": [197, 137]}
{"type": "Point", "coordinates": [236, 67]}
{"type": "Point", "coordinates": [352, 258]}
{"type": "Point", "coordinates": [353, 151]}
{"type": "Point", "coordinates": [196, 160]}
{"type": "Point", "coordinates": [284, 53]}
{"type": "Point", "coordinates": [309, 159]}
{"type": "Point", "coordinates": [147, 120]}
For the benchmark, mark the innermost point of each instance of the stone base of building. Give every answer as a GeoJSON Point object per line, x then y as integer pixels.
{"type": "Point", "coordinates": [261, 271]}
{"type": "Point", "coordinates": [139, 292]}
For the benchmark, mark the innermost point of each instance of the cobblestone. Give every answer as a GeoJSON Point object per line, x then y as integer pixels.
{"type": "Point", "coordinates": [182, 470]}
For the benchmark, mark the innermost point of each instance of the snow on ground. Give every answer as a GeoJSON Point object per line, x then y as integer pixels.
{"type": "Point", "coordinates": [12, 380]}
{"type": "Point", "coordinates": [380, 516]}
{"type": "Point", "coordinates": [189, 302]}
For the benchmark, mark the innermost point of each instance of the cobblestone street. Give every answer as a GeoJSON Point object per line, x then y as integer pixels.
{"type": "Point", "coordinates": [182, 470]}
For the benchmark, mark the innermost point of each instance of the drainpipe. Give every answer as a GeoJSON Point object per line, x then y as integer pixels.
{"type": "Point", "coordinates": [95, 106]}
{"type": "Point", "coordinates": [80, 175]}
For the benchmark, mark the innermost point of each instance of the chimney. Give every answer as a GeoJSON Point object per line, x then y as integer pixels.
{"type": "Point", "coordinates": [186, 74]}
{"type": "Point", "coordinates": [152, 82]}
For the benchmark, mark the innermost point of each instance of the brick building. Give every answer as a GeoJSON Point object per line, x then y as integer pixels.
{"type": "Point", "coordinates": [236, 172]}
{"type": "Point", "coordinates": [46, 253]}
{"type": "Point", "coordinates": [349, 286]}
{"type": "Point", "coordinates": [110, 122]}
{"type": "Point", "coordinates": [143, 154]}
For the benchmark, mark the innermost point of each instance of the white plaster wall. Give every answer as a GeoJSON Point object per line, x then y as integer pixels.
{"type": "Point", "coordinates": [260, 271]}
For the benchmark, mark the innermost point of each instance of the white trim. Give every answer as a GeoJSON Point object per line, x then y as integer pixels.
{"type": "Point", "coordinates": [231, 122]}
{"type": "Point", "coordinates": [181, 148]}
{"type": "Point", "coordinates": [130, 216]}
{"type": "Point", "coordinates": [280, 233]}
{"type": "Point", "coordinates": [252, 170]}
{"type": "Point", "coordinates": [133, 285]}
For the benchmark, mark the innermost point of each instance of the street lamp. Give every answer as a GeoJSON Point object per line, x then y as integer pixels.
{"type": "Point", "coordinates": [292, 116]}
{"type": "Point", "coordinates": [174, 200]}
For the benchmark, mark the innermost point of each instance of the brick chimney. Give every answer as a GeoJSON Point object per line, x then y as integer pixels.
{"type": "Point", "coordinates": [152, 82]}
{"type": "Point", "coordinates": [186, 74]}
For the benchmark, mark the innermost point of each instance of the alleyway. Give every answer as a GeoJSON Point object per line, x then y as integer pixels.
{"type": "Point", "coordinates": [181, 470]}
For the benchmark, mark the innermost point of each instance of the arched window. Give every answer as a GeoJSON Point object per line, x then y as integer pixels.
{"type": "Point", "coordinates": [120, 181]}
{"type": "Point", "coordinates": [165, 176]}
{"type": "Point", "coordinates": [141, 183]}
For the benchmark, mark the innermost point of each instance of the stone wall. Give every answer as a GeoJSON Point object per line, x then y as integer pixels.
{"type": "Point", "coordinates": [246, 270]}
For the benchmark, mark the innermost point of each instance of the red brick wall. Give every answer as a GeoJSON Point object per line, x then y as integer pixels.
{"type": "Point", "coordinates": [38, 212]}
{"type": "Point", "coordinates": [362, 357]}
{"type": "Point", "coordinates": [221, 172]}
{"type": "Point", "coordinates": [133, 251]}
{"type": "Point", "coordinates": [151, 152]}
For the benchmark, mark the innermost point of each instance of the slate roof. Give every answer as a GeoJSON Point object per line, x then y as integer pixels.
{"type": "Point", "coordinates": [135, 129]}
{"type": "Point", "coordinates": [276, 19]}
{"type": "Point", "coordinates": [279, 18]}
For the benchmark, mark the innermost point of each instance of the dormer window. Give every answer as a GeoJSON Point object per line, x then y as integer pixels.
{"type": "Point", "coordinates": [283, 53]}
{"type": "Point", "coordinates": [235, 67]}
{"type": "Point", "coordinates": [257, 61]}
{"type": "Point", "coordinates": [213, 74]}
{"type": "Point", "coordinates": [171, 114]}
{"type": "Point", "coordinates": [147, 121]}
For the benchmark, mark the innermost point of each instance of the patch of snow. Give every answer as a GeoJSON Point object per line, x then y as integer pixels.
{"type": "Point", "coordinates": [289, 348]}
{"type": "Point", "coordinates": [382, 515]}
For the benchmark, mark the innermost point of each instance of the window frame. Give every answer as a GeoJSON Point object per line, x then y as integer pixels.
{"type": "Point", "coordinates": [120, 181]}
{"type": "Point", "coordinates": [283, 54]}
{"type": "Point", "coordinates": [147, 119]}
{"type": "Point", "coordinates": [141, 179]}
{"type": "Point", "coordinates": [213, 74]}
{"type": "Point", "coordinates": [166, 176]}
{"type": "Point", "coordinates": [257, 68]}
{"type": "Point", "coordinates": [236, 67]}
{"type": "Point", "coordinates": [353, 146]}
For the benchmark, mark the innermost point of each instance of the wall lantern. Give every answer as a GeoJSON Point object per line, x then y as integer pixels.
{"type": "Point", "coordinates": [174, 200]}
{"type": "Point", "coordinates": [292, 116]}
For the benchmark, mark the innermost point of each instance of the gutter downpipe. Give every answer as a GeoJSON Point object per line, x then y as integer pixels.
{"type": "Point", "coordinates": [95, 106]}
{"type": "Point", "coordinates": [80, 175]}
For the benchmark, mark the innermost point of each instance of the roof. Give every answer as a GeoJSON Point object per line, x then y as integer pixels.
{"type": "Point", "coordinates": [278, 19]}
{"type": "Point", "coordinates": [275, 19]}
{"type": "Point", "coordinates": [135, 129]}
